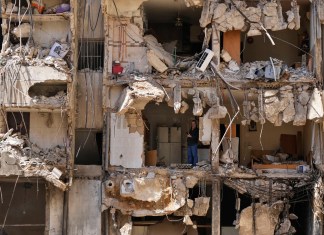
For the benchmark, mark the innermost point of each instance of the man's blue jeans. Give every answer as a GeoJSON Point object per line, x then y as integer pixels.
{"type": "Point", "coordinates": [192, 154]}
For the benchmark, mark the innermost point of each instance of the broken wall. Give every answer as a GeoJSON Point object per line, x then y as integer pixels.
{"type": "Point", "coordinates": [126, 149]}
{"type": "Point", "coordinates": [45, 33]}
{"type": "Point", "coordinates": [15, 91]}
{"type": "Point", "coordinates": [270, 137]}
{"type": "Point", "coordinates": [48, 130]}
{"type": "Point", "coordinates": [85, 219]}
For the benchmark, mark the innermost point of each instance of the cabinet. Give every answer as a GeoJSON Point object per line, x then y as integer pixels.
{"type": "Point", "coordinates": [169, 145]}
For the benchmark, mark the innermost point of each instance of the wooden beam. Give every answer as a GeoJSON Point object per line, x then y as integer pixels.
{"type": "Point", "coordinates": [232, 44]}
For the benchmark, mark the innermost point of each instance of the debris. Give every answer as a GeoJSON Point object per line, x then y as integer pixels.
{"type": "Point", "coordinates": [190, 203]}
{"type": "Point", "coordinates": [293, 216]}
{"type": "Point", "coordinates": [156, 62]}
{"type": "Point", "coordinates": [191, 181]}
{"type": "Point", "coordinates": [233, 66]}
{"type": "Point", "coordinates": [22, 30]}
{"type": "Point", "coordinates": [157, 49]}
{"type": "Point", "coordinates": [265, 219]}
{"type": "Point", "coordinates": [31, 163]}
{"type": "Point", "coordinates": [198, 109]}
{"type": "Point", "coordinates": [59, 100]}
{"type": "Point", "coordinates": [56, 173]}
{"type": "Point", "coordinates": [59, 50]}
{"type": "Point", "coordinates": [207, 13]}
{"type": "Point", "coordinates": [315, 106]}
{"type": "Point", "coordinates": [187, 220]}
{"type": "Point", "coordinates": [126, 229]}
{"type": "Point", "coordinates": [137, 95]}
{"type": "Point", "coordinates": [184, 107]}
{"type": "Point", "coordinates": [226, 56]}
{"type": "Point", "coordinates": [177, 98]}
{"type": "Point", "coordinates": [201, 206]}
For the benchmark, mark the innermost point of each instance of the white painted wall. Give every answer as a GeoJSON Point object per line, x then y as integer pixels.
{"type": "Point", "coordinates": [126, 149]}
{"type": "Point", "coordinates": [48, 132]}
{"type": "Point", "coordinates": [15, 89]}
{"type": "Point", "coordinates": [84, 212]}
{"type": "Point", "coordinates": [47, 32]}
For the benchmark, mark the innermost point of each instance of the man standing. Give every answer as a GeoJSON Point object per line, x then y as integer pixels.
{"type": "Point", "coordinates": [192, 142]}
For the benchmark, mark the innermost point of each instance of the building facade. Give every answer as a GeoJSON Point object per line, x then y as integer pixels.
{"type": "Point", "coordinates": [98, 97]}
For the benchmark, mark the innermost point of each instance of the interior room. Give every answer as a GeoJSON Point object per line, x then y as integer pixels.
{"type": "Point", "coordinates": [287, 41]}
{"type": "Point", "coordinates": [264, 144]}
{"type": "Point", "coordinates": [167, 133]}
{"type": "Point", "coordinates": [175, 26]}
{"type": "Point", "coordinates": [22, 207]}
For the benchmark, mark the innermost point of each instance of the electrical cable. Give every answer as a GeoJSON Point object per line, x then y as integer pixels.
{"type": "Point", "coordinates": [12, 195]}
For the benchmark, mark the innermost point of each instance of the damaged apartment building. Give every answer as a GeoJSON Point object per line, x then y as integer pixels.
{"type": "Point", "coordinates": [97, 98]}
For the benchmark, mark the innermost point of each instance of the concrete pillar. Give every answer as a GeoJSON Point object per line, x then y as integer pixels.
{"type": "Point", "coordinates": [215, 226]}
{"type": "Point", "coordinates": [317, 227]}
{"type": "Point", "coordinates": [3, 122]}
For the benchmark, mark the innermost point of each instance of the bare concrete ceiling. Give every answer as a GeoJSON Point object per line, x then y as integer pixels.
{"type": "Point", "coordinates": [166, 11]}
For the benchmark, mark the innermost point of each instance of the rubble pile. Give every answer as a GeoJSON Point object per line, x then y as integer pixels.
{"type": "Point", "coordinates": [33, 56]}
{"type": "Point", "coordinates": [285, 104]}
{"type": "Point", "coordinates": [226, 17]}
{"type": "Point", "coordinates": [263, 70]}
{"type": "Point", "coordinates": [59, 100]}
{"type": "Point", "coordinates": [18, 156]}
{"type": "Point", "coordinates": [259, 188]}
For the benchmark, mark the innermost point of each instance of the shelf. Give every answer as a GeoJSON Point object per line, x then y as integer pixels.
{"type": "Point", "coordinates": [38, 17]}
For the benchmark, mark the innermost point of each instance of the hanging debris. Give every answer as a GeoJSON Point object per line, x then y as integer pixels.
{"type": "Point", "coordinates": [18, 156]}
{"type": "Point", "coordinates": [137, 95]}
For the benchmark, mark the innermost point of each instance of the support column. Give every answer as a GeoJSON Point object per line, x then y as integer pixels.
{"type": "Point", "coordinates": [215, 226]}
{"type": "Point", "coordinates": [216, 181]}
{"type": "Point", "coordinates": [317, 227]}
{"type": "Point", "coordinates": [216, 207]}
{"type": "Point", "coordinates": [3, 121]}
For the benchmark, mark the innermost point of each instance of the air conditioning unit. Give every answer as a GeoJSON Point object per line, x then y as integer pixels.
{"type": "Point", "coordinates": [205, 60]}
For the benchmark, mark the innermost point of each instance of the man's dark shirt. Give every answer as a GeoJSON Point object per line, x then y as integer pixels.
{"type": "Point", "coordinates": [194, 137]}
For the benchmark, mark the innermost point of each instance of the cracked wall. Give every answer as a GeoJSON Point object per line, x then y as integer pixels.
{"type": "Point", "coordinates": [152, 194]}
{"type": "Point", "coordinates": [132, 156]}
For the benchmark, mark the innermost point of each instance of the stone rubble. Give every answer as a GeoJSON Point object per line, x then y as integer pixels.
{"type": "Point", "coordinates": [284, 105]}
{"type": "Point", "coordinates": [227, 17]}
{"type": "Point", "coordinates": [262, 70]}
{"type": "Point", "coordinates": [59, 100]}
{"type": "Point", "coordinates": [32, 160]}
